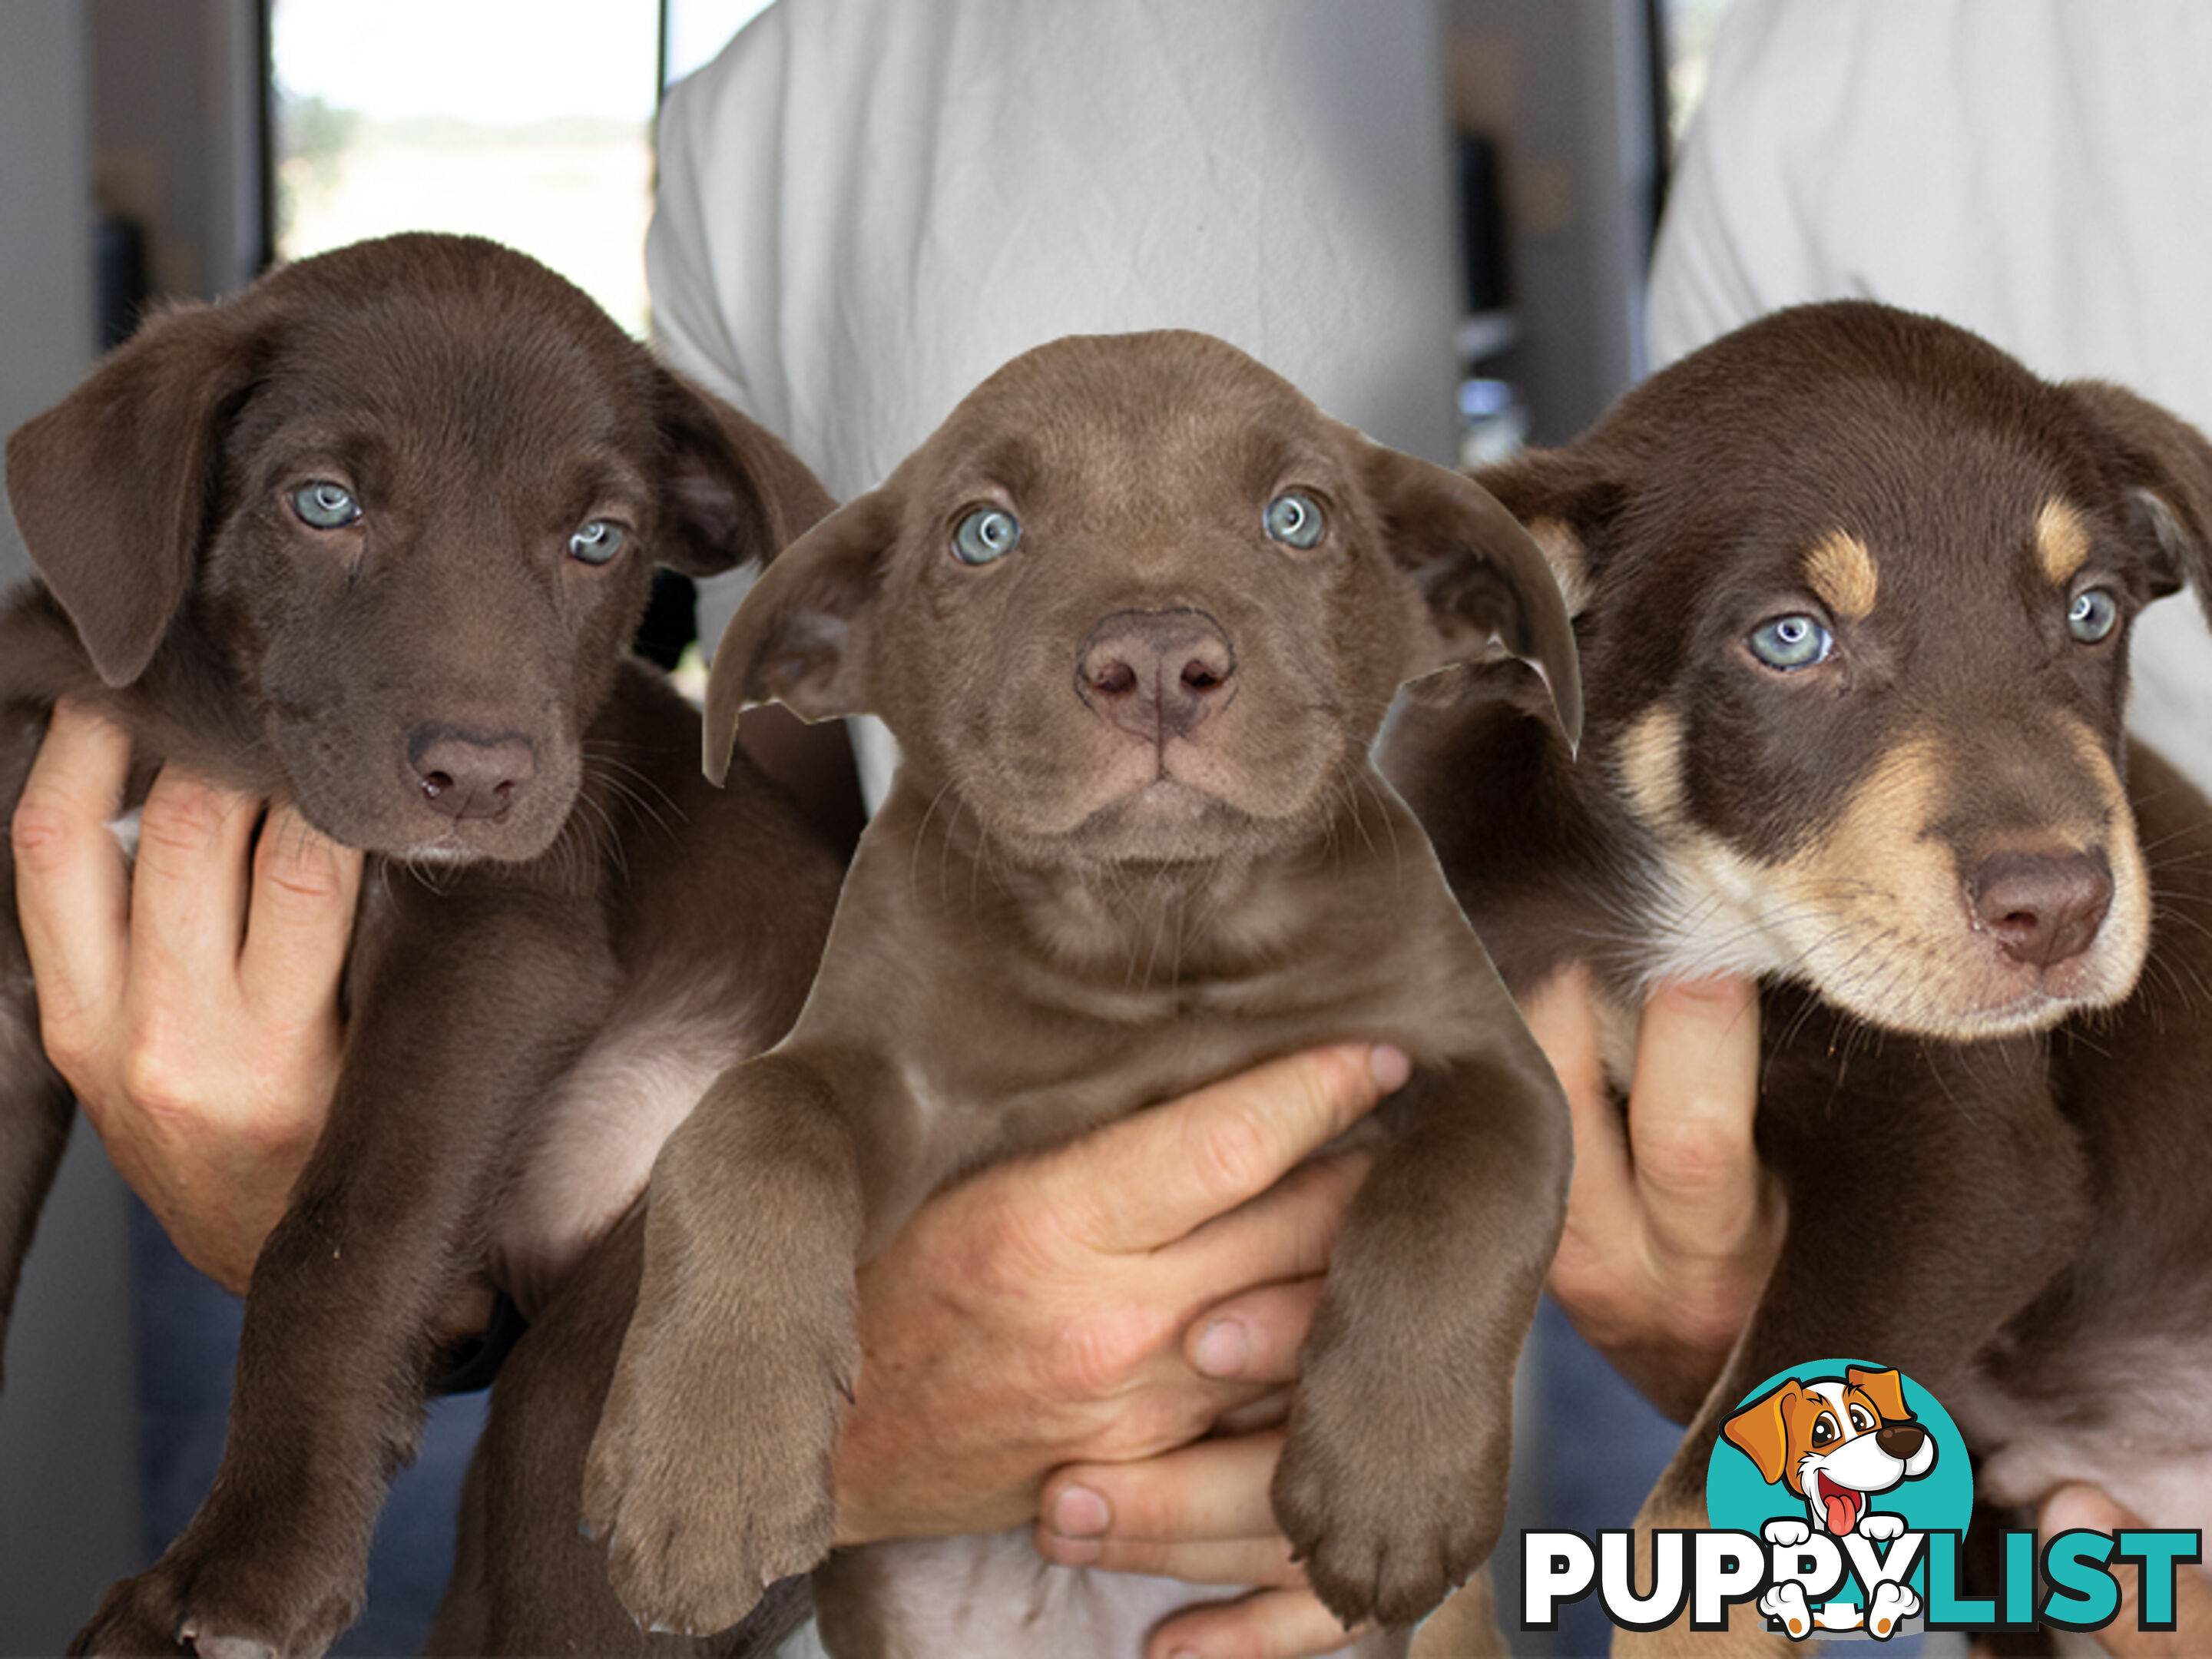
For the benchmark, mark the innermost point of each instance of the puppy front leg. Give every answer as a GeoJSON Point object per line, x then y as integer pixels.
{"type": "Point", "coordinates": [36, 1111]}
{"type": "Point", "coordinates": [36, 1106]}
{"type": "Point", "coordinates": [460, 1031]}
{"type": "Point", "coordinates": [709, 1477]}
{"type": "Point", "coordinates": [1392, 1483]}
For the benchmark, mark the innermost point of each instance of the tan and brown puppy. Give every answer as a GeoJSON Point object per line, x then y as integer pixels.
{"type": "Point", "coordinates": [1853, 592]}
{"type": "Point", "coordinates": [374, 537]}
{"type": "Point", "coordinates": [1134, 613]}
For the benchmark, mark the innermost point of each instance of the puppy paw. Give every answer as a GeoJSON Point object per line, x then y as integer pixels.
{"type": "Point", "coordinates": [1785, 1602]}
{"type": "Point", "coordinates": [1890, 1605]}
{"type": "Point", "coordinates": [709, 1477]}
{"type": "Point", "coordinates": [1874, 1523]}
{"type": "Point", "coordinates": [1786, 1533]}
{"type": "Point", "coordinates": [1386, 1517]}
{"type": "Point", "coordinates": [218, 1607]}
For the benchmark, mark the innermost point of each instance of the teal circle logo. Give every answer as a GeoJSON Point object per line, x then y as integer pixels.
{"type": "Point", "coordinates": [1837, 1464]}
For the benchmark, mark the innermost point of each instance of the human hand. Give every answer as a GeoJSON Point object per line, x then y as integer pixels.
{"type": "Point", "coordinates": [1673, 1224]}
{"type": "Point", "coordinates": [192, 1006]}
{"type": "Point", "coordinates": [2085, 1506]}
{"type": "Point", "coordinates": [1049, 1311]}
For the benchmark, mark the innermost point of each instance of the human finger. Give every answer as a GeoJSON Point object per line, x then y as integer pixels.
{"type": "Point", "coordinates": [299, 919]}
{"type": "Point", "coordinates": [1254, 1336]}
{"type": "Point", "coordinates": [1601, 1195]}
{"type": "Point", "coordinates": [1269, 1624]}
{"type": "Point", "coordinates": [188, 889]}
{"type": "Point", "coordinates": [1158, 1174]}
{"type": "Point", "coordinates": [1208, 1491]}
{"type": "Point", "coordinates": [1286, 1233]}
{"type": "Point", "coordinates": [72, 882]}
{"type": "Point", "coordinates": [1561, 1014]}
{"type": "Point", "coordinates": [1690, 1111]}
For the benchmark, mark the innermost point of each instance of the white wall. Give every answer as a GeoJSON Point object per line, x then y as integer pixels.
{"type": "Point", "coordinates": [68, 1483]}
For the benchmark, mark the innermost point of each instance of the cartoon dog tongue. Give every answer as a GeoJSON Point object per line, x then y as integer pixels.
{"type": "Point", "coordinates": [1841, 1503]}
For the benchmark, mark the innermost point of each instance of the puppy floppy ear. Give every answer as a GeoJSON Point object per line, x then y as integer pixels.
{"type": "Point", "coordinates": [113, 487]}
{"type": "Point", "coordinates": [800, 636]}
{"type": "Point", "coordinates": [731, 491]}
{"type": "Point", "coordinates": [1479, 574]}
{"type": "Point", "coordinates": [2166, 464]}
{"type": "Point", "coordinates": [1885, 1389]}
{"type": "Point", "coordinates": [1759, 1432]}
{"type": "Point", "coordinates": [1568, 502]}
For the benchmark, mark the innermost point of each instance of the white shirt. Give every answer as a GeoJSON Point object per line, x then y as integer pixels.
{"type": "Point", "coordinates": [866, 206]}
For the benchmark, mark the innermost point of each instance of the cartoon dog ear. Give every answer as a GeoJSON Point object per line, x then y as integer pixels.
{"type": "Point", "coordinates": [2166, 464]}
{"type": "Point", "coordinates": [1885, 1389]}
{"type": "Point", "coordinates": [799, 637]}
{"type": "Point", "coordinates": [1759, 1432]}
{"type": "Point", "coordinates": [1480, 577]}
{"type": "Point", "coordinates": [731, 490]}
{"type": "Point", "coordinates": [112, 487]}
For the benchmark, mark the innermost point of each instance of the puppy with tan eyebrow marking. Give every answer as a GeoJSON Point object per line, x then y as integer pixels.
{"type": "Point", "coordinates": [1855, 595]}
{"type": "Point", "coordinates": [1134, 613]}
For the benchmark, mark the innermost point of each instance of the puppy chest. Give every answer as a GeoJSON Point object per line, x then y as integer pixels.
{"type": "Point", "coordinates": [597, 1133]}
{"type": "Point", "coordinates": [2133, 1418]}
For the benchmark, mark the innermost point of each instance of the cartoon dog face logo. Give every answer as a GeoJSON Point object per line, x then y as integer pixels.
{"type": "Point", "coordinates": [1835, 1442]}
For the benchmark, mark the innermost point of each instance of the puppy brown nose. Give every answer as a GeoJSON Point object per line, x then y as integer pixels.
{"type": "Point", "coordinates": [1155, 674]}
{"type": "Point", "coordinates": [466, 776]}
{"type": "Point", "coordinates": [2042, 907]}
{"type": "Point", "coordinates": [1899, 1440]}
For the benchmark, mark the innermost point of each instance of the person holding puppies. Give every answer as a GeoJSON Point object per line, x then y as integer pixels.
{"type": "Point", "coordinates": [1348, 292]}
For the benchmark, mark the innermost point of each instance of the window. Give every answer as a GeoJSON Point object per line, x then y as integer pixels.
{"type": "Point", "coordinates": [529, 121]}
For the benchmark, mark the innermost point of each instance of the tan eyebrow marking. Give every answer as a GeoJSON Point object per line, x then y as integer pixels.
{"type": "Point", "coordinates": [2061, 538]}
{"type": "Point", "coordinates": [1841, 570]}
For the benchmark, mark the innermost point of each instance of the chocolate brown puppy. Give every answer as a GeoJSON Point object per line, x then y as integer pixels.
{"type": "Point", "coordinates": [374, 537]}
{"type": "Point", "coordinates": [1134, 613]}
{"type": "Point", "coordinates": [1853, 591]}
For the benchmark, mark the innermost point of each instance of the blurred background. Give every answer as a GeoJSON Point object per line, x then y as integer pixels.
{"type": "Point", "coordinates": [154, 150]}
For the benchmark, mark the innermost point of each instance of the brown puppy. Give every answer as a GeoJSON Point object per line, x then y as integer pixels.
{"type": "Point", "coordinates": [1854, 591]}
{"type": "Point", "coordinates": [374, 537]}
{"type": "Point", "coordinates": [1134, 613]}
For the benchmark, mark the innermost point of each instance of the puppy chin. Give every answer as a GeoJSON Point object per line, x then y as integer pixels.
{"type": "Point", "coordinates": [1162, 822]}
{"type": "Point", "coordinates": [417, 836]}
{"type": "Point", "coordinates": [1987, 996]}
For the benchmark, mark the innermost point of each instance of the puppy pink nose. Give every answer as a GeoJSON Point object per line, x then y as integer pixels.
{"type": "Point", "coordinates": [466, 776]}
{"type": "Point", "coordinates": [2042, 907]}
{"type": "Point", "coordinates": [1155, 674]}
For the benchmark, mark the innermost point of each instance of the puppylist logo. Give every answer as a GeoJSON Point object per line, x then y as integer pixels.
{"type": "Point", "coordinates": [1840, 1493]}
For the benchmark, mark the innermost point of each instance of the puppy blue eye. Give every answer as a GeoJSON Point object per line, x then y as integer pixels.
{"type": "Point", "coordinates": [596, 543]}
{"type": "Point", "coordinates": [2092, 614]}
{"type": "Point", "coordinates": [987, 533]}
{"type": "Point", "coordinates": [1791, 643]}
{"type": "Point", "coordinates": [1293, 517]}
{"type": "Point", "coordinates": [324, 506]}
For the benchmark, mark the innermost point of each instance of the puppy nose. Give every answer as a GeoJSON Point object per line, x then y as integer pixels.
{"type": "Point", "coordinates": [1155, 674]}
{"type": "Point", "coordinates": [463, 775]}
{"type": "Point", "coordinates": [1899, 1440]}
{"type": "Point", "coordinates": [2042, 907]}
